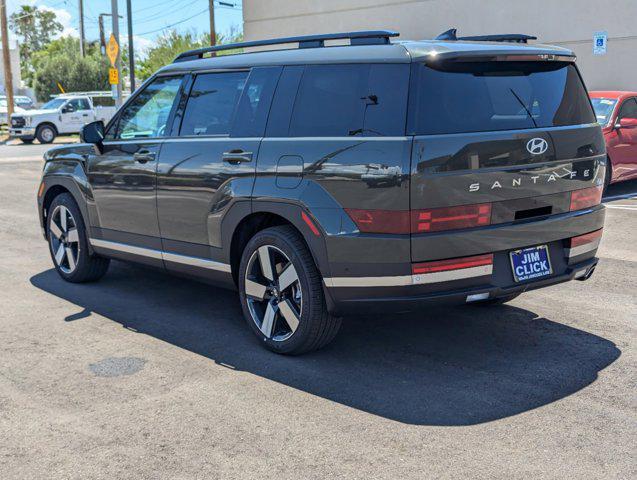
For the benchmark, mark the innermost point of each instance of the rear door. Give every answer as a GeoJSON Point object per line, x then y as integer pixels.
{"type": "Point", "coordinates": [211, 163]}
{"type": "Point", "coordinates": [502, 141]}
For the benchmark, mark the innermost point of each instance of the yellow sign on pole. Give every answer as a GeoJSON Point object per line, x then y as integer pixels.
{"type": "Point", "coordinates": [112, 49]}
{"type": "Point", "coordinates": [113, 76]}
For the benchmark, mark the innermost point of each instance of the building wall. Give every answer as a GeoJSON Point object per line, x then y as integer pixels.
{"type": "Point", "coordinates": [15, 70]}
{"type": "Point", "coordinates": [568, 23]}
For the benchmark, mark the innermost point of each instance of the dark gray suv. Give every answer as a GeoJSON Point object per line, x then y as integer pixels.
{"type": "Point", "coordinates": [327, 180]}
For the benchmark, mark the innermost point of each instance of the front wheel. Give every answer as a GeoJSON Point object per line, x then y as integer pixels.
{"type": "Point", "coordinates": [282, 295]}
{"type": "Point", "coordinates": [68, 243]}
{"type": "Point", "coordinates": [46, 134]}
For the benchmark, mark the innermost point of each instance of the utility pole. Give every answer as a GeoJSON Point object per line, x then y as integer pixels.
{"type": "Point", "coordinates": [6, 59]}
{"type": "Point", "coordinates": [118, 62]}
{"type": "Point", "coordinates": [131, 49]}
{"type": "Point", "coordinates": [102, 37]}
{"type": "Point", "coordinates": [81, 13]}
{"type": "Point", "coordinates": [213, 34]}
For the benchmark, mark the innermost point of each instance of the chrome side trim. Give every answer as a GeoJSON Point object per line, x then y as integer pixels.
{"type": "Point", "coordinates": [582, 249]}
{"type": "Point", "coordinates": [405, 280]}
{"type": "Point", "coordinates": [123, 247]}
{"type": "Point", "coordinates": [162, 255]}
{"type": "Point", "coordinates": [197, 262]}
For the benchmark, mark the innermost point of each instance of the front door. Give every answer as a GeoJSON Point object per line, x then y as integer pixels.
{"type": "Point", "coordinates": [74, 115]}
{"type": "Point", "coordinates": [123, 177]}
{"type": "Point", "coordinates": [212, 162]}
{"type": "Point", "coordinates": [623, 150]}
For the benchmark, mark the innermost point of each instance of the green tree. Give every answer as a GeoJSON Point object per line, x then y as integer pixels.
{"type": "Point", "coordinates": [60, 63]}
{"type": "Point", "coordinates": [35, 29]}
{"type": "Point", "coordinates": [172, 43]}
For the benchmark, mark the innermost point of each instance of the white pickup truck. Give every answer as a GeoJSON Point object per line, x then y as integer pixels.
{"type": "Point", "coordinates": [64, 114]}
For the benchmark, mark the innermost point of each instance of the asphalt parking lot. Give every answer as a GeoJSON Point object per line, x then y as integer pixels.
{"type": "Point", "coordinates": [144, 375]}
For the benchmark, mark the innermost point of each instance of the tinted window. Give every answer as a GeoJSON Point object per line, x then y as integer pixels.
{"type": "Point", "coordinates": [628, 110]}
{"type": "Point", "coordinates": [212, 103]}
{"type": "Point", "coordinates": [255, 101]}
{"type": "Point", "coordinates": [80, 104]}
{"type": "Point", "coordinates": [457, 97]}
{"type": "Point", "coordinates": [347, 100]}
{"type": "Point", "coordinates": [147, 115]}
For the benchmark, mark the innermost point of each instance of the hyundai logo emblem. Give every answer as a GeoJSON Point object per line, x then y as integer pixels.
{"type": "Point", "coordinates": [537, 146]}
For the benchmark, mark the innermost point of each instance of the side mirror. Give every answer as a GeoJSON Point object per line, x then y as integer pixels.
{"type": "Point", "coordinates": [627, 123]}
{"type": "Point", "coordinates": [93, 133]}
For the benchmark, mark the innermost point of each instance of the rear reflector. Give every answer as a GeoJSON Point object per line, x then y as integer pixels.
{"type": "Point", "coordinates": [451, 218]}
{"type": "Point", "coordinates": [587, 238]}
{"type": "Point", "coordinates": [453, 264]}
{"type": "Point", "coordinates": [586, 198]}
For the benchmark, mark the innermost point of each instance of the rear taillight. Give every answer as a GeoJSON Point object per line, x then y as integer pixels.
{"type": "Point", "coordinates": [380, 221]}
{"type": "Point", "coordinates": [453, 264]}
{"type": "Point", "coordinates": [586, 238]}
{"type": "Point", "coordinates": [586, 198]}
{"type": "Point", "coordinates": [450, 218]}
{"type": "Point", "coordinates": [421, 221]}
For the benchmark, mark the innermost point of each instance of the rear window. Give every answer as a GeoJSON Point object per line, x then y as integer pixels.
{"type": "Point", "coordinates": [461, 97]}
{"type": "Point", "coordinates": [351, 100]}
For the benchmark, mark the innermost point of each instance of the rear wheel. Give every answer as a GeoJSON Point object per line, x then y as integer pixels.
{"type": "Point", "coordinates": [68, 243]}
{"type": "Point", "coordinates": [282, 295]}
{"type": "Point", "coordinates": [46, 134]}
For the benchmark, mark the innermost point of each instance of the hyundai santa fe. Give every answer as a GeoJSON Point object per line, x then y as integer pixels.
{"type": "Point", "coordinates": [327, 180]}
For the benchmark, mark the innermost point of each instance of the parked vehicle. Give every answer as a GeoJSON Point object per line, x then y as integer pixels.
{"type": "Point", "coordinates": [65, 114]}
{"type": "Point", "coordinates": [4, 110]}
{"type": "Point", "coordinates": [617, 114]}
{"type": "Point", "coordinates": [253, 171]}
{"type": "Point", "coordinates": [21, 101]}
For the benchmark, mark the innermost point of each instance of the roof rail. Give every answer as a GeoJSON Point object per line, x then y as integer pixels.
{"type": "Point", "coordinates": [368, 37]}
{"type": "Point", "coordinates": [505, 37]}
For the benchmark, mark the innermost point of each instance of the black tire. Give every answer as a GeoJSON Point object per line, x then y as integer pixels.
{"type": "Point", "coordinates": [609, 175]}
{"type": "Point", "coordinates": [316, 327]}
{"type": "Point", "coordinates": [497, 301]}
{"type": "Point", "coordinates": [84, 267]}
{"type": "Point", "coordinates": [27, 141]}
{"type": "Point", "coordinates": [46, 134]}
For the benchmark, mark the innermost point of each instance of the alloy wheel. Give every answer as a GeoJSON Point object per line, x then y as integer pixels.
{"type": "Point", "coordinates": [47, 134]}
{"type": "Point", "coordinates": [273, 293]}
{"type": "Point", "coordinates": [65, 239]}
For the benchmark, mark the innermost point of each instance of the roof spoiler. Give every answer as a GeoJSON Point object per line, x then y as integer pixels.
{"type": "Point", "coordinates": [451, 35]}
{"type": "Point", "coordinates": [367, 37]}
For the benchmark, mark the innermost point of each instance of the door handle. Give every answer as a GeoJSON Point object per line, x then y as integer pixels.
{"type": "Point", "coordinates": [235, 157]}
{"type": "Point", "coordinates": [144, 156]}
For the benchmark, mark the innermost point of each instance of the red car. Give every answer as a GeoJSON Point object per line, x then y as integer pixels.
{"type": "Point", "coordinates": [617, 114]}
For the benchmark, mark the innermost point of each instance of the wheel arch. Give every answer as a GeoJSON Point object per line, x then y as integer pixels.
{"type": "Point", "coordinates": [269, 214]}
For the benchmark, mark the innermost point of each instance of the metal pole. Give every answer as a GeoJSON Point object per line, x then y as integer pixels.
{"type": "Point", "coordinates": [131, 49]}
{"type": "Point", "coordinates": [6, 59]}
{"type": "Point", "coordinates": [81, 13]}
{"type": "Point", "coordinates": [118, 62]}
{"type": "Point", "coordinates": [213, 34]}
{"type": "Point", "coordinates": [102, 37]}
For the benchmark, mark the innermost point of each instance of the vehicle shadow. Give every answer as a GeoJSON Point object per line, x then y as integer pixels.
{"type": "Point", "coordinates": [452, 367]}
{"type": "Point", "coordinates": [616, 191]}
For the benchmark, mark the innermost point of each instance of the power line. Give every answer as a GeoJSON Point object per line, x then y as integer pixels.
{"type": "Point", "coordinates": [176, 23]}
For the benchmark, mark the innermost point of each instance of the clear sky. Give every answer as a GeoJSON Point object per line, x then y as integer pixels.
{"type": "Point", "coordinates": [150, 17]}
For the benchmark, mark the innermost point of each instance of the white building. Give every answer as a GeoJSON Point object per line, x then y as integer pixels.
{"type": "Point", "coordinates": [15, 70]}
{"type": "Point", "coordinates": [569, 23]}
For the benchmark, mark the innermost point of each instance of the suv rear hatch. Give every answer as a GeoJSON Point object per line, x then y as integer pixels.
{"type": "Point", "coordinates": [499, 143]}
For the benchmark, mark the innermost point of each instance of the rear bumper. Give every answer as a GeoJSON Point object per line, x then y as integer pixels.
{"type": "Point", "coordinates": [368, 301]}
{"type": "Point", "coordinates": [379, 284]}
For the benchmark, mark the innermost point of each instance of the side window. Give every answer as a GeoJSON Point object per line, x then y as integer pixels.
{"type": "Point", "coordinates": [349, 100]}
{"type": "Point", "coordinates": [72, 105]}
{"type": "Point", "coordinates": [212, 103]}
{"type": "Point", "coordinates": [83, 104]}
{"type": "Point", "coordinates": [254, 104]}
{"type": "Point", "coordinates": [147, 115]}
{"type": "Point", "coordinates": [628, 110]}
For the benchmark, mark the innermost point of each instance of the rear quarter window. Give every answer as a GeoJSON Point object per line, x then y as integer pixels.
{"type": "Point", "coordinates": [462, 97]}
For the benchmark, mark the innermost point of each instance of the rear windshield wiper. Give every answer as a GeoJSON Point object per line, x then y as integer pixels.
{"type": "Point", "coordinates": [524, 106]}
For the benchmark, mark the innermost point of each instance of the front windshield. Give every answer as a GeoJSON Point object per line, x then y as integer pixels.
{"type": "Point", "coordinates": [53, 104]}
{"type": "Point", "coordinates": [603, 109]}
